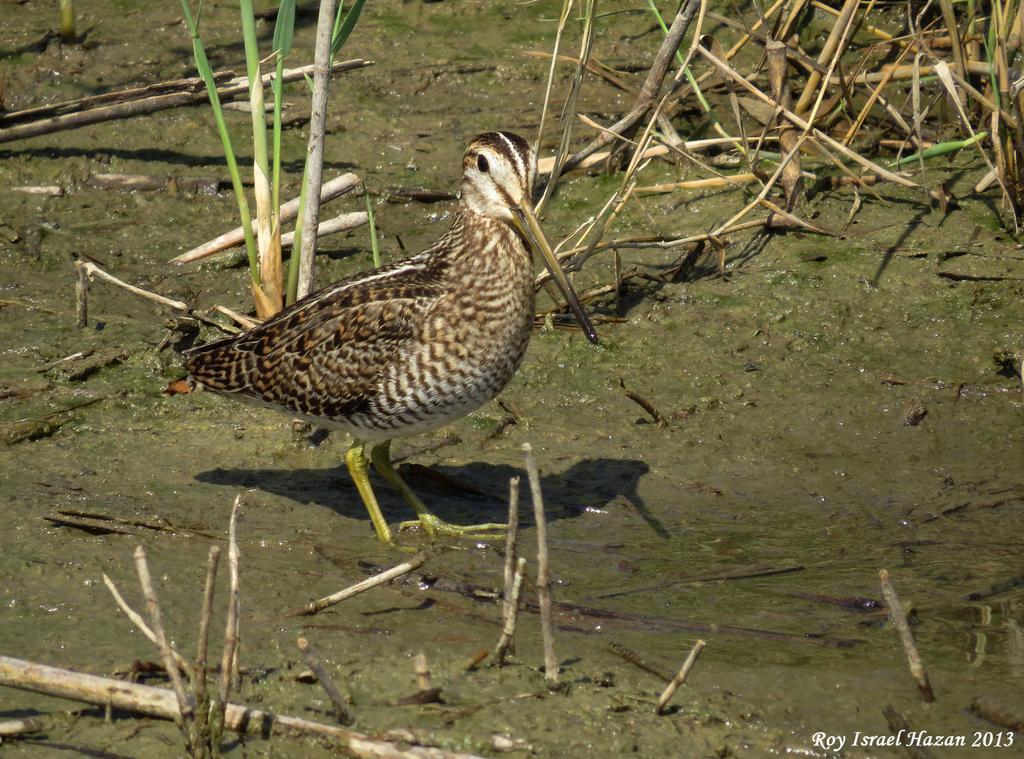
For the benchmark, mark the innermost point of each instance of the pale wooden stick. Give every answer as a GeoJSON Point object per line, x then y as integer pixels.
{"type": "Point", "coordinates": [185, 708]}
{"type": "Point", "coordinates": [330, 190]}
{"type": "Point", "coordinates": [680, 677]}
{"type": "Point", "coordinates": [81, 294]}
{"type": "Point", "coordinates": [228, 662]}
{"type": "Point", "coordinates": [508, 630]}
{"type": "Point", "coordinates": [309, 655]}
{"type": "Point", "coordinates": [139, 622]}
{"type": "Point", "coordinates": [511, 540]}
{"type": "Point", "coordinates": [543, 569]}
{"type": "Point", "coordinates": [140, 106]}
{"type": "Point", "coordinates": [422, 669]}
{"type": "Point", "coordinates": [92, 270]}
{"type": "Point", "coordinates": [51, 190]}
{"type": "Point", "coordinates": [315, 148]}
{"type": "Point", "coordinates": [371, 582]}
{"type": "Point", "coordinates": [899, 620]}
{"type": "Point", "coordinates": [199, 681]}
{"type": "Point", "coordinates": [826, 54]}
{"type": "Point", "coordinates": [245, 321]}
{"type": "Point", "coordinates": [803, 124]}
{"type": "Point", "coordinates": [343, 222]}
{"type": "Point", "coordinates": [698, 184]}
{"type": "Point", "coordinates": [20, 727]}
{"type": "Point", "coordinates": [160, 702]}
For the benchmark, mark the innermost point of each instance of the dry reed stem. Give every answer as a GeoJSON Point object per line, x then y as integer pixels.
{"type": "Point", "coordinates": [803, 124]}
{"type": "Point", "coordinates": [329, 191]}
{"type": "Point", "coordinates": [543, 568]}
{"type": "Point", "coordinates": [680, 677]}
{"type": "Point", "coordinates": [422, 670]}
{"type": "Point", "coordinates": [792, 220]}
{"type": "Point", "coordinates": [229, 660]}
{"type": "Point", "coordinates": [727, 225]}
{"type": "Point", "coordinates": [899, 620]}
{"type": "Point", "coordinates": [829, 51]}
{"type": "Point", "coordinates": [874, 94]}
{"type": "Point", "coordinates": [956, 43]}
{"type": "Point", "coordinates": [315, 148]}
{"type": "Point", "coordinates": [544, 277]}
{"type": "Point", "coordinates": [875, 31]}
{"type": "Point", "coordinates": [313, 607]}
{"type": "Point", "coordinates": [185, 707]}
{"type": "Point", "coordinates": [511, 540]}
{"type": "Point", "coordinates": [309, 655]}
{"type": "Point", "coordinates": [712, 183]}
{"type": "Point", "coordinates": [595, 67]}
{"type": "Point", "coordinates": [202, 644]}
{"type": "Point", "coordinates": [10, 728]}
{"type": "Point", "coordinates": [81, 294]}
{"type": "Point", "coordinates": [508, 629]}
{"type": "Point", "coordinates": [50, 190]}
{"type": "Point", "coordinates": [151, 104]}
{"type": "Point", "coordinates": [778, 75]}
{"type": "Point", "coordinates": [137, 620]}
{"type": "Point", "coordinates": [242, 319]}
{"type": "Point", "coordinates": [648, 92]}
{"type": "Point", "coordinates": [343, 222]}
{"type": "Point", "coordinates": [92, 270]}
{"type": "Point", "coordinates": [160, 702]}
{"type": "Point", "coordinates": [570, 103]}
{"type": "Point", "coordinates": [566, 7]}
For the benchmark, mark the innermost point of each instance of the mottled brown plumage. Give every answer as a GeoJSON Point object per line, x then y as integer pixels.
{"type": "Point", "coordinates": [410, 346]}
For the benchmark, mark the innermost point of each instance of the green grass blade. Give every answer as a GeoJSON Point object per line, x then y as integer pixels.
{"type": "Point", "coordinates": [206, 72]}
{"type": "Point", "coordinates": [284, 31]}
{"type": "Point", "coordinates": [943, 148]}
{"type": "Point", "coordinates": [292, 287]}
{"type": "Point", "coordinates": [344, 29]}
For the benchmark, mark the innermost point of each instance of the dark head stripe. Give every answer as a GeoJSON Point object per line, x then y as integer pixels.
{"type": "Point", "coordinates": [514, 148]}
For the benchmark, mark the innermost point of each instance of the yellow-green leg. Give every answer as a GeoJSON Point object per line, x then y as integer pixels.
{"type": "Point", "coordinates": [432, 524]}
{"type": "Point", "coordinates": [355, 459]}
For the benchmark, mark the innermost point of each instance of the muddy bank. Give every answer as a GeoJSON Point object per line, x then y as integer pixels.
{"type": "Point", "coordinates": [833, 406]}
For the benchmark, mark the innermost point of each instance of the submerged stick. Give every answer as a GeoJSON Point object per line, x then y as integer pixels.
{"type": "Point", "coordinates": [638, 661]}
{"type": "Point", "coordinates": [680, 677]}
{"type": "Point", "coordinates": [508, 630]}
{"type": "Point", "coordinates": [309, 656]}
{"type": "Point", "coordinates": [543, 569]}
{"type": "Point", "coordinates": [899, 620]}
{"type": "Point", "coordinates": [314, 607]}
{"type": "Point", "coordinates": [160, 702]}
{"type": "Point", "coordinates": [137, 107]}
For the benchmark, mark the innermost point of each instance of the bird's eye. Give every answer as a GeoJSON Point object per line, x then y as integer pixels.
{"type": "Point", "coordinates": [481, 164]}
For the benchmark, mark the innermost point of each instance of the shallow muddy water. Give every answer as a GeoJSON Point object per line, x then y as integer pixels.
{"type": "Point", "coordinates": [834, 405]}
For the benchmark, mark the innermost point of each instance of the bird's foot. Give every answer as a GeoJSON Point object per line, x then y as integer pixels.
{"type": "Point", "coordinates": [434, 526]}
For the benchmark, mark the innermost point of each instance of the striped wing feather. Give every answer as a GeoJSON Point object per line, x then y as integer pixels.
{"type": "Point", "coordinates": [326, 355]}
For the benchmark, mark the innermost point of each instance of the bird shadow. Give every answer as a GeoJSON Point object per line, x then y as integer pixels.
{"type": "Point", "coordinates": [473, 493]}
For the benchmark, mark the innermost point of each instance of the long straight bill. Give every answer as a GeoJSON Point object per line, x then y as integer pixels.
{"type": "Point", "coordinates": [530, 228]}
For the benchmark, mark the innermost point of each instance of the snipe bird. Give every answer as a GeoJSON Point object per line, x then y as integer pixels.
{"type": "Point", "coordinates": [410, 346]}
